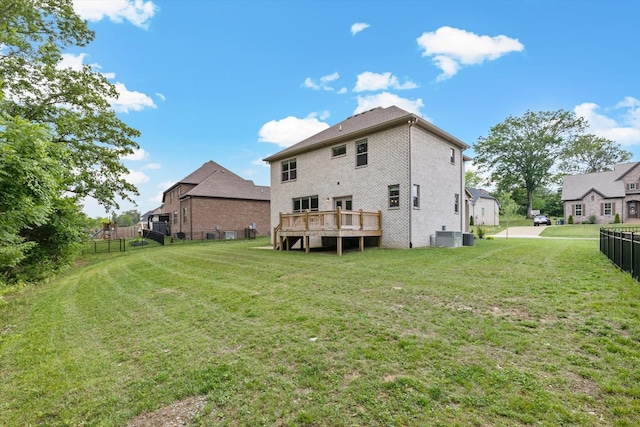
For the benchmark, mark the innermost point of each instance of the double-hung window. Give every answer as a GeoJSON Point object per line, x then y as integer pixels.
{"type": "Point", "coordinates": [456, 203]}
{"type": "Point", "coordinates": [362, 151]}
{"type": "Point", "coordinates": [184, 214]}
{"type": "Point", "coordinates": [289, 170]}
{"type": "Point", "coordinates": [307, 203]}
{"type": "Point", "coordinates": [578, 209]}
{"type": "Point", "coordinates": [394, 196]}
{"type": "Point", "coordinates": [175, 217]}
{"type": "Point", "coordinates": [607, 208]}
{"type": "Point", "coordinates": [452, 156]}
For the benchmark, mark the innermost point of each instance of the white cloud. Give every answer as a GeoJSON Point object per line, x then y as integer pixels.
{"type": "Point", "coordinates": [452, 48]}
{"type": "Point", "coordinates": [624, 130]}
{"type": "Point", "coordinates": [153, 166]}
{"type": "Point", "coordinates": [72, 61]}
{"type": "Point", "coordinates": [369, 81]}
{"type": "Point", "coordinates": [260, 162]}
{"type": "Point", "coordinates": [137, 155]}
{"type": "Point", "coordinates": [323, 82]}
{"type": "Point", "coordinates": [127, 100]}
{"type": "Point", "coordinates": [136, 177]}
{"type": "Point", "coordinates": [386, 99]}
{"type": "Point", "coordinates": [130, 100]}
{"type": "Point", "coordinates": [357, 27]}
{"type": "Point", "coordinates": [290, 130]}
{"type": "Point", "coordinates": [161, 96]}
{"type": "Point", "coordinates": [138, 12]}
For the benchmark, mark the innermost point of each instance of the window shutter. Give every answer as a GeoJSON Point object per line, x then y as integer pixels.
{"type": "Point", "coordinates": [613, 208]}
{"type": "Point", "coordinates": [601, 209]}
{"type": "Point", "coordinates": [573, 210]}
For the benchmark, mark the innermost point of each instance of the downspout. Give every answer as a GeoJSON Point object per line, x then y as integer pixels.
{"type": "Point", "coordinates": [463, 206]}
{"type": "Point", "coordinates": [411, 122]}
{"type": "Point", "coordinates": [190, 214]}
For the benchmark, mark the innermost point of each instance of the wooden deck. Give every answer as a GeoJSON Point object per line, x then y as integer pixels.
{"type": "Point", "coordinates": [339, 224]}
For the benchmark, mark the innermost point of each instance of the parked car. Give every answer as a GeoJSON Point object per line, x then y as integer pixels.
{"type": "Point", "coordinates": [541, 219]}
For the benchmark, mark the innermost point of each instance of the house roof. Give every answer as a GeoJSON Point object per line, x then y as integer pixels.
{"type": "Point", "coordinates": [480, 193]}
{"type": "Point", "coordinates": [609, 184]}
{"type": "Point", "coordinates": [360, 125]}
{"type": "Point", "coordinates": [213, 180]}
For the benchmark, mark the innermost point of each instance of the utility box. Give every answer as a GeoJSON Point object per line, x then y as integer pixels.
{"type": "Point", "coordinates": [467, 239]}
{"type": "Point", "coordinates": [449, 239]}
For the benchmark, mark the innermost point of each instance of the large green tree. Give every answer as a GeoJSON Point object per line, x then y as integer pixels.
{"type": "Point", "coordinates": [73, 104]}
{"type": "Point", "coordinates": [591, 153]}
{"type": "Point", "coordinates": [522, 151]}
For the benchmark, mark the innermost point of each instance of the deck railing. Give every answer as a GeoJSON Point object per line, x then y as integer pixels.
{"type": "Point", "coordinates": [330, 220]}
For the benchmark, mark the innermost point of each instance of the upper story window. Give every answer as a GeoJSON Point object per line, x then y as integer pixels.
{"type": "Point", "coordinates": [452, 156]}
{"type": "Point", "coordinates": [289, 170]}
{"type": "Point", "coordinates": [578, 209]}
{"type": "Point", "coordinates": [394, 196]}
{"type": "Point", "coordinates": [184, 214]}
{"type": "Point", "coordinates": [338, 151]}
{"type": "Point", "coordinates": [308, 203]}
{"type": "Point", "coordinates": [416, 195]}
{"type": "Point", "coordinates": [456, 203]}
{"type": "Point", "coordinates": [361, 153]}
{"type": "Point", "coordinates": [175, 217]}
{"type": "Point", "coordinates": [633, 186]}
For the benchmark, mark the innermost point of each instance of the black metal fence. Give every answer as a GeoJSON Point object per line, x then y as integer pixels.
{"type": "Point", "coordinates": [622, 247]}
{"type": "Point", "coordinates": [151, 239]}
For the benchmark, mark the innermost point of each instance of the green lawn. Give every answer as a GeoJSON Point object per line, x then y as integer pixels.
{"type": "Point", "coordinates": [581, 230]}
{"type": "Point", "coordinates": [504, 333]}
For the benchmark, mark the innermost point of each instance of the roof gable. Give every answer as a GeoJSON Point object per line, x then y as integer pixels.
{"type": "Point", "coordinates": [227, 185]}
{"type": "Point", "coordinates": [480, 193]}
{"type": "Point", "coordinates": [608, 183]}
{"type": "Point", "coordinates": [359, 125]}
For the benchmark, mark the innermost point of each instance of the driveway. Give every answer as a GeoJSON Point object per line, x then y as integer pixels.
{"type": "Point", "coordinates": [522, 232]}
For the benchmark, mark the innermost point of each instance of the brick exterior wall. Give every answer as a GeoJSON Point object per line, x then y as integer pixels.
{"type": "Point", "coordinates": [592, 204]}
{"type": "Point", "coordinates": [320, 174]}
{"type": "Point", "coordinates": [205, 213]}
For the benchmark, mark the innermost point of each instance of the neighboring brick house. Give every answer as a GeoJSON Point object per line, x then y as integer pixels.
{"type": "Point", "coordinates": [485, 209]}
{"type": "Point", "coordinates": [385, 159]}
{"type": "Point", "coordinates": [216, 203]}
{"type": "Point", "coordinates": [603, 195]}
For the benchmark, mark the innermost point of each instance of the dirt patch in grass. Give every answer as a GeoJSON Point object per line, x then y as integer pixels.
{"type": "Point", "coordinates": [177, 414]}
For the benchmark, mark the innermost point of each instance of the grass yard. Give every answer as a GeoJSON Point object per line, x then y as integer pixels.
{"type": "Point", "coordinates": [505, 333]}
{"type": "Point", "coordinates": [582, 230]}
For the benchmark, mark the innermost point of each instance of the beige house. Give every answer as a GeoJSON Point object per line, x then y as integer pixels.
{"type": "Point", "coordinates": [603, 195]}
{"type": "Point", "coordinates": [484, 208]}
{"type": "Point", "coordinates": [384, 177]}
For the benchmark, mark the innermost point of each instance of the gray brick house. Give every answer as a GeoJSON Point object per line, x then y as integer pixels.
{"type": "Point", "coordinates": [214, 201]}
{"type": "Point", "coordinates": [384, 161]}
{"type": "Point", "coordinates": [603, 195]}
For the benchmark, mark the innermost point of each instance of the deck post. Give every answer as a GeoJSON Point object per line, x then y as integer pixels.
{"type": "Point", "coordinates": [281, 243]}
{"type": "Point", "coordinates": [361, 243]}
{"type": "Point", "coordinates": [339, 241]}
{"type": "Point", "coordinates": [307, 249]}
{"type": "Point", "coordinates": [339, 218]}
{"type": "Point", "coordinates": [306, 220]}
{"type": "Point", "coordinates": [361, 219]}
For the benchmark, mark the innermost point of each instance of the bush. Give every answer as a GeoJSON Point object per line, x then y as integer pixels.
{"type": "Point", "coordinates": [592, 219]}
{"type": "Point", "coordinates": [617, 219]}
{"type": "Point", "coordinates": [481, 232]}
{"type": "Point", "coordinates": [570, 220]}
{"type": "Point", "coordinates": [471, 220]}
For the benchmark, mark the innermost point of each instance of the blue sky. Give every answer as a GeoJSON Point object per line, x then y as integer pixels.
{"type": "Point", "coordinates": [237, 81]}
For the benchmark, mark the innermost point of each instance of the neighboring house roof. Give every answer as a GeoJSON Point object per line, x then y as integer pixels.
{"type": "Point", "coordinates": [212, 180]}
{"type": "Point", "coordinates": [479, 193]}
{"type": "Point", "coordinates": [359, 125]}
{"type": "Point", "coordinates": [609, 184]}
{"type": "Point", "coordinates": [144, 217]}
